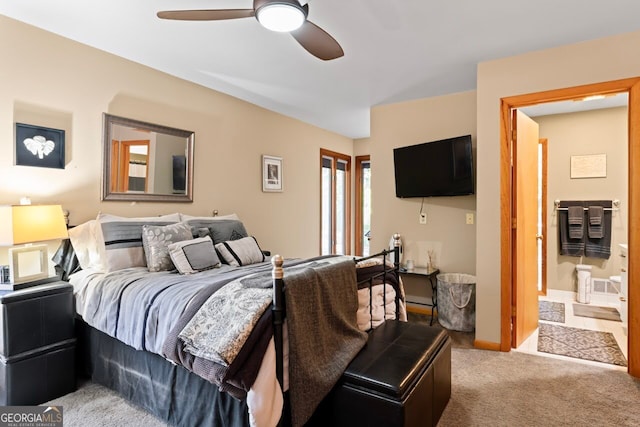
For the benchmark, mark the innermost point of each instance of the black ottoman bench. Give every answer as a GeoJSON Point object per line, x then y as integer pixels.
{"type": "Point", "coordinates": [402, 377]}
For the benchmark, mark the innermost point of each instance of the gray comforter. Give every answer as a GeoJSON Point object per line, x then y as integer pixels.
{"type": "Point", "coordinates": [151, 311]}
{"type": "Point", "coordinates": [147, 311]}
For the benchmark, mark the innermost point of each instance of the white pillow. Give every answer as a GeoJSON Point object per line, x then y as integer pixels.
{"type": "Point", "coordinates": [192, 256]}
{"type": "Point", "coordinates": [239, 252]}
{"type": "Point", "coordinates": [85, 244]}
{"type": "Point", "coordinates": [120, 239]}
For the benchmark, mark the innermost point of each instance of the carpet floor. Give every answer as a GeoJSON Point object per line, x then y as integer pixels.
{"type": "Point", "coordinates": [489, 388]}
{"type": "Point", "coordinates": [551, 311]}
{"type": "Point", "coordinates": [580, 343]}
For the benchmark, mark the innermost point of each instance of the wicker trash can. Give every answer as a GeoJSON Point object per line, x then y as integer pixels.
{"type": "Point", "coordinates": [457, 301]}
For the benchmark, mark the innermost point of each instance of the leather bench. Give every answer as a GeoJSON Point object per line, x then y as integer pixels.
{"type": "Point", "coordinates": [402, 377]}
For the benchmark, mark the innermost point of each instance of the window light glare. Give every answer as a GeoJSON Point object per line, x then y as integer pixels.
{"type": "Point", "coordinates": [280, 17]}
{"type": "Point", "coordinates": [593, 97]}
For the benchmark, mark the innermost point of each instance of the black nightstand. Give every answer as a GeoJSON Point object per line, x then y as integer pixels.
{"type": "Point", "coordinates": [37, 344]}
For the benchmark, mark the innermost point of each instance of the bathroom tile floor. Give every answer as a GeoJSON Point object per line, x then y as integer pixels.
{"type": "Point", "coordinates": [530, 345]}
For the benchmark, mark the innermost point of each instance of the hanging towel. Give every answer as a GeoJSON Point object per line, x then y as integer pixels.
{"type": "Point", "coordinates": [575, 215]}
{"type": "Point", "coordinates": [595, 228]}
{"type": "Point", "coordinates": [570, 246]}
{"type": "Point", "coordinates": [600, 247]}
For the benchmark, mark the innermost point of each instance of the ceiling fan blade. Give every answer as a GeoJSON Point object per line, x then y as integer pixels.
{"type": "Point", "coordinates": [317, 41]}
{"type": "Point", "coordinates": [206, 15]}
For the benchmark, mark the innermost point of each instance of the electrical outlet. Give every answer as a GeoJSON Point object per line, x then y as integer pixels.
{"type": "Point", "coordinates": [422, 218]}
{"type": "Point", "coordinates": [469, 218]}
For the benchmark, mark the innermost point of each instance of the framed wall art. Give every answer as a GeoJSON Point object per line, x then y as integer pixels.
{"type": "Point", "coordinates": [271, 173]}
{"type": "Point", "coordinates": [589, 166]}
{"type": "Point", "coordinates": [39, 146]}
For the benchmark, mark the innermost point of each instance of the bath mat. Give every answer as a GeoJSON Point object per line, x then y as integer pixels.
{"type": "Point", "coordinates": [551, 311]}
{"type": "Point", "coordinates": [580, 343]}
{"type": "Point", "coordinates": [598, 312]}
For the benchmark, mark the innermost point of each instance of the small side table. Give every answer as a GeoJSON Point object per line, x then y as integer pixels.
{"type": "Point", "coordinates": [430, 276]}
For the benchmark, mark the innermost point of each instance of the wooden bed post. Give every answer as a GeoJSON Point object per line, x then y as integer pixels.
{"type": "Point", "coordinates": [278, 318]}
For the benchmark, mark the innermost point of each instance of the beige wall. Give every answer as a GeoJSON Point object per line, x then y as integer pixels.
{"type": "Point", "coordinates": [584, 63]}
{"type": "Point", "coordinates": [411, 123]}
{"type": "Point", "coordinates": [590, 132]}
{"type": "Point", "coordinates": [51, 81]}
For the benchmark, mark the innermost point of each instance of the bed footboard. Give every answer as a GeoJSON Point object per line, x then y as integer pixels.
{"type": "Point", "coordinates": [279, 308]}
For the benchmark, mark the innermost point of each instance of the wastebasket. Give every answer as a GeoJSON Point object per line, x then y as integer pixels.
{"type": "Point", "coordinates": [457, 301]}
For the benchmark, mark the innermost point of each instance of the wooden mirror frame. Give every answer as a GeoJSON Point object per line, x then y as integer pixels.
{"type": "Point", "coordinates": [109, 195]}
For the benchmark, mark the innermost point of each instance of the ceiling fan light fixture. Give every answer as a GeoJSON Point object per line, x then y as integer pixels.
{"type": "Point", "coordinates": [282, 17]}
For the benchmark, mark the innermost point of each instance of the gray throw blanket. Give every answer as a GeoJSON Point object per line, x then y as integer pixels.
{"type": "Point", "coordinates": [323, 333]}
{"type": "Point", "coordinates": [236, 378]}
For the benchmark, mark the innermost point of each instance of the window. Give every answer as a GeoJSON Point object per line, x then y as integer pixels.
{"type": "Point", "coordinates": [363, 205]}
{"type": "Point", "coordinates": [335, 208]}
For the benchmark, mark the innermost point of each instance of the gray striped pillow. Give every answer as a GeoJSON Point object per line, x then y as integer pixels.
{"type": "Point", "coordinates": [239, 252]}
{"type": "Point", "coordinates": [121, 239]}
{"type": "Point", "coordinates": [192, 256]}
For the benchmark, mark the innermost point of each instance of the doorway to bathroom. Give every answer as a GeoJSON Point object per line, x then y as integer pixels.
{"type": "Point", "coordinates": [595, 128]}
{"type": "Point", "coordinates": [511, 292]}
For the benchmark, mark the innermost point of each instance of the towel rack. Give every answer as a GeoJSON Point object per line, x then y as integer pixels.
{"type": "Point", "coordinates": [615, 203]}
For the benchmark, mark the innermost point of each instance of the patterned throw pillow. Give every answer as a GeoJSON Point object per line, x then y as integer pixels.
{"type": "Point", "coordinates": [243, 251]}
{"type": "Point", "coordinates": [192, 256]}
{"type": "Point", "coordinates": [157, 238]}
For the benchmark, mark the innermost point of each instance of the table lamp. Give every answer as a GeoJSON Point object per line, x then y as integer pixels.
{"type": "Point", "coordinates": [24, 225]}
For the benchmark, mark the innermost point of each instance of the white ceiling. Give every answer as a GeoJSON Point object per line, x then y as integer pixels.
{"type": "Point", "coordinates": [394, 50]}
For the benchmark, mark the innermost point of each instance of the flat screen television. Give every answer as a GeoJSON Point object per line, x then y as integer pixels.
{"type": "Point", "coordinates": [438, 168]}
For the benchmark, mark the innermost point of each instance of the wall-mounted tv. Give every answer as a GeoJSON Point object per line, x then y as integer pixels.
{"type": "Point", "coordinates": [438, 168]}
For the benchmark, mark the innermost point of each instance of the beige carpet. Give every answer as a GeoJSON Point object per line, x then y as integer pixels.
{"type": "Point", "coordinates": [488, 389]}
{"type": "Point", "coordinates": [517, 389]}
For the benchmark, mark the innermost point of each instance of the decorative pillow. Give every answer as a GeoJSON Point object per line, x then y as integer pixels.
{"type": "Point", "coordinates": [243, 251]}
{"type": "Point", "coordinates": [156, 238]}
{"type": "Point", "coordinates": [192, 256]}
{"type": "Point", "coordinates": [83, 240]}
{"type": "Point", "coordinates": [220, 230]}
{"type": "Point", "coordinates": [120, 239]}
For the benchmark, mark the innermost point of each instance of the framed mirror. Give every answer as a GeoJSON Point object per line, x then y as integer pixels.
{"type": "Point", "coordinates": [146, 162]}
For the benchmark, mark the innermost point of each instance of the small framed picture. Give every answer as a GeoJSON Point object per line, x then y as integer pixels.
{"type": "Point", "coordinates": [39, 146]}
{"type": "Point", "coordinates": [271, 173]}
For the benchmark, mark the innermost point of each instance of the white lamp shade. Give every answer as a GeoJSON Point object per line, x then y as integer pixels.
{"type": "Point", "coordinates": [281, 17]}
{"type": "Point", "coordinates": [31, 223]}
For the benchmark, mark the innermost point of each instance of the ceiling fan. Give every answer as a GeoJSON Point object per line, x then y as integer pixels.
{"type": "Point", "coordinates": [277, 15]}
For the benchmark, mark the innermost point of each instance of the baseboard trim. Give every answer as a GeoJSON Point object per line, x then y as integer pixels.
{"type": "Point", "coordinates": [486, 345]}
{"type": "Point", "coordinates": [419, 310]}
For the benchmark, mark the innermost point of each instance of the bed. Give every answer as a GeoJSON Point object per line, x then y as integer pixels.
{"type": "Point", "coordinates": [153, 334]}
